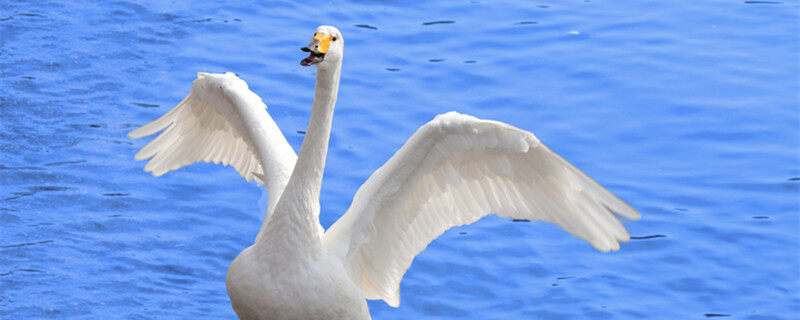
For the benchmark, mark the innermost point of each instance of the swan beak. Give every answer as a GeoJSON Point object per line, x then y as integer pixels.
{"type": "Point", "coordinates": [317, 48]}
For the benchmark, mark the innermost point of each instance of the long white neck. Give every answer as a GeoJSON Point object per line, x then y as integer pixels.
{"type": "Point", "coordinates": [295, 221]}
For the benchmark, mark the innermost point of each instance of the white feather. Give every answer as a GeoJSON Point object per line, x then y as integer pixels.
{"type": "Point", "coordinates": [209, 125]}
{"type": "Point", "coordinates": [453, 171]}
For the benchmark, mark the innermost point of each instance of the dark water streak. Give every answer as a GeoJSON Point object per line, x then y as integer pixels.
{"type": "Point", "coordinates": [687, 110]}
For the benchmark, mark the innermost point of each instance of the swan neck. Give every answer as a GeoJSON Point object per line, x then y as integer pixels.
{"type": "Point", "coordinates": [296, 215]}
{"type": "Point", "coordinates": [311, 159]}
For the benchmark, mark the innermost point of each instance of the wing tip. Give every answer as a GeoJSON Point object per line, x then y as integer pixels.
{"type": "Point", "coordinates": [157, 172]}
{"type": "Point", "coordinates": [139, 132]}
{"type": "Point", "coordinates": [607, 244]}
{"type": "Point", "coordinates": [392, 298]}
{"type": "Point", "coordinates": [634, 215]}
{"type": "Point", "coordinates": [140, 155]}
{"type": "Point", "coordinates": [624, 210]}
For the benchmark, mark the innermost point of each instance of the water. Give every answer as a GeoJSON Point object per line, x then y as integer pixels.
{"type": "Point", "coordinates": [687, 110]}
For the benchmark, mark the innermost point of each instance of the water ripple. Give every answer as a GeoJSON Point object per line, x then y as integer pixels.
{"type": "Point", "coordinates": [687, 110]}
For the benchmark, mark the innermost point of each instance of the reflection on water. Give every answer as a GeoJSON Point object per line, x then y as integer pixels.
{"type": "Point", "coordinates": [687, 110]}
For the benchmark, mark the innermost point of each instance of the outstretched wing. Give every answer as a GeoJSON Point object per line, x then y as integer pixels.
{"type": "Point", "coordinates": [453, 171]}
{"type": "Point", "coordinates": [220, 121]}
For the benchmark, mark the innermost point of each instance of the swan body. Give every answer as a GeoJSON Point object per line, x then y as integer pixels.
{"type": "Point", "coordinates": [452, 171]}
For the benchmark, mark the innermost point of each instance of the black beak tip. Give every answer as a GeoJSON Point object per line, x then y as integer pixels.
{"type": "Point", "coordinates": [305, 49]}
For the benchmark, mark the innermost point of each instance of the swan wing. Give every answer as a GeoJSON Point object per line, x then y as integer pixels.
{"type": "Point", "coordinates": [220, 121]}
{"type": "Point", "coordinates": [453, 171]}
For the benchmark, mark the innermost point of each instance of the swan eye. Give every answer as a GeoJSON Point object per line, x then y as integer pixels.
{"type": "Point", "coordinates": [323, 42]}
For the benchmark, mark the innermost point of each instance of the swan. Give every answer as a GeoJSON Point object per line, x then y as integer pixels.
{"type": "Point", "coordinates": [452, 171]}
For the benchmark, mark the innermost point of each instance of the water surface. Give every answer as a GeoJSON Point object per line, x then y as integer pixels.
{"type": "Point", "coordinates": [687, 110]}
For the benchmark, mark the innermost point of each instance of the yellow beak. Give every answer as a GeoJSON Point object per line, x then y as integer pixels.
{"type": "Point", "coordinates": [323, 42]}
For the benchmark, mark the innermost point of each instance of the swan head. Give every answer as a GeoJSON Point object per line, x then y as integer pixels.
{"type": "Point", "coordinates": [325, 48]}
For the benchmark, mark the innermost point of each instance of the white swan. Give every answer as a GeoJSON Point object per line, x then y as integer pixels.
{"type": "Point", "coordinates": [452, 171]}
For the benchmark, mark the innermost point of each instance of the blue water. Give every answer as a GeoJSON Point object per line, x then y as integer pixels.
{"type": "Point", "coordinates": [688, 110]}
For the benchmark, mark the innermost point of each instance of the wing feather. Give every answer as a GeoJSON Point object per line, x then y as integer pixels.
{"type": "Point", "coordinates": [220, 121]}
{"type": "Point", "coordinates": [453, 171]}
